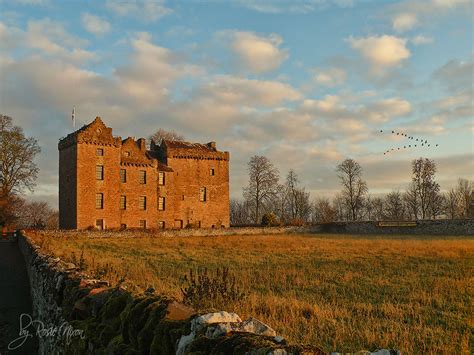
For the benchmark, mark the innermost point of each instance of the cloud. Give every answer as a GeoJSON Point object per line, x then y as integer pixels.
{"type": "Point", "coordinates": [404, 22]}
{"type": "Point", "coordinates": [456, 75]}
{"type": "Point", "coordinates": [330, 77]}
{"type": "Point", "coordinates": [257, 54]}
{"type": "Point", "coordinates": [95, 24]}
{"type": "Point", "coordinates": [147, 10]}
{"type": "Point", "coordinates": [298, 6]}
{"type": "Point", "coordinates": [47, 38]}
{"type": "Point", "coordinates": [409, 14]}
{"type": "Point", "coordinates": [418, 40]}
{"type": "Point", "coordinates": [381, 51]}
{"type": "Point", "coordinates": [151, 71]}
{"type": "Point", "coordinates": [235, 90]}
{"type": "Point", "coordinates": [384, 110]}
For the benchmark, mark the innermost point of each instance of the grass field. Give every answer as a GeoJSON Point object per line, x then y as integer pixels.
{"type": "Point", "coordinates": [341, 293]}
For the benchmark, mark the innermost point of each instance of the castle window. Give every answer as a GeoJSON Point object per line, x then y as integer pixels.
{"type": "Point", "coordinates": [142, 177]}
{"type": "Point", "coordinates": [212, 172]}
{"type": "Point", "coordinates": [142, 203]}
{"type": "Point", "coordinates": [123, 175]}
{"type": "Point", "coordinates": [99, 201]}
{"type": "Point", "coordinates": [161, 224]}
{"type": "Point", "coordinates": [202, 194]}
{"type": "Point", "coordinates": [99, 224]}
{"type": "Point", "coordinates": [143, 223]}
{"type": "Point", "coordinates": [123, 202]}
{"type": "Point", "coordinates": [99, 152]}
{"type": "Point", "coordinates": [99, 172]}
{"type": "Point", "coordinates": [123, 226]}
{"type": "Point", "coordinates": [161, 204]}
{"type": "Point", "coordinates": [127, 154]}
{"type": "Point", "coordinates": [161, 178]}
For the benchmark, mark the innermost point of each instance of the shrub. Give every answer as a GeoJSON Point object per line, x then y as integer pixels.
{"type": "Point", "coordinates": [206, 290]}
{"type": "Point", "coordinates": [269, 219]}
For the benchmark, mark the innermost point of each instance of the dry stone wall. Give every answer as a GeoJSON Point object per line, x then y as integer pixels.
{"type": "Point", "coordinates": [88, 317]}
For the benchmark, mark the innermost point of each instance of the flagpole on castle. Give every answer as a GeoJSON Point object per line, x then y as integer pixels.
{"type": "Point", "coordinates": [73, 117]}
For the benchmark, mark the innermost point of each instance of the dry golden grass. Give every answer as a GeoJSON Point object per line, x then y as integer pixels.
{"type": "Point", "coordinates": [342, 293]}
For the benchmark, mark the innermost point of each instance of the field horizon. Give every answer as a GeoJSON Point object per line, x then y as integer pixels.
{"type": "Point", "coordinates": [341, 293]}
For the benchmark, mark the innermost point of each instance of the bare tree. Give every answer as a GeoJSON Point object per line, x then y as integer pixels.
{"type": "Point", "coordinates": [410, 197]}
{"type": "Point", "coordinates": [296, 199]}
{"type": "Point", "coordinates": [340, 207]}
{"type": "Point", "coordinates": [464, 191]}
{"type": "Point", "coordinates": [37, 215]}
{"type": "Point", "coordinates": [323, 212]}
{"type": "Point", "coordinates": [17, 168]}
{"type": "Point", "coordinates": [263, 184]}
{"type": "Point", "coordinates": [423, 178]}
{"type": "Point", "coordinates": [17, 152]}
{"type": "Point", "coordinates": [451, 201]}
{"type": "Point", "coordinates": [393, 206]}
{"type": "Point", "coordinates": [354, 188]}
{"type": "Point", "coordinates": [239, 212]}
{"type": "Point", "coordinates": [162, 134]}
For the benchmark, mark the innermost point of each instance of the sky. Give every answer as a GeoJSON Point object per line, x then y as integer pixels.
{"type": "Point", "coordinates": [305, 83]}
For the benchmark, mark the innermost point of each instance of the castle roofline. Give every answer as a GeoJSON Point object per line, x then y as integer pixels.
{"type": "Point", "coordinates": [209, 147]}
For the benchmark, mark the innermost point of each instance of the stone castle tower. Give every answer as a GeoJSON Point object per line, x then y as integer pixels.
{"type": "Point", "coordinates": [107, 182]}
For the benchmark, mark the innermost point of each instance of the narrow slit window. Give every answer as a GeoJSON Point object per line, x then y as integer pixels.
{"type": "Point", "coordinates": [123, 202]}
{"type": "Point", "coordinates": [143, 224]}
{"type": "Point", "coordinates": [202, 194]}
{"type": "Point", "coordinates": [212, 172]}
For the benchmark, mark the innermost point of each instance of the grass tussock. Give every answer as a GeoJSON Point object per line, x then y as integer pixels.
{"type": "Point", "coordinates": [340, 293]}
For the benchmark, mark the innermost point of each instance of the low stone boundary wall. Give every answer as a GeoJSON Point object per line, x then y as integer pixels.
{"type": "Point", "coordinates": [422, 227]}
{"type": "Point", "coordinates": [85, 316]}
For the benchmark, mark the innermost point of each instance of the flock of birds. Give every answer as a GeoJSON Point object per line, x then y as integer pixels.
{"type": "Point", "coordinates": [417, 142]}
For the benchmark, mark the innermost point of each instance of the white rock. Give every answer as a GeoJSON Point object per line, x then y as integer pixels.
{"type": "Point", "coordinates": [253, 325]}
{"type": "Point", "coordinates": [211, 318]}
{"type": "Point", "coordinates": [279, 339]}
{"type": "Point", "coordinates": [183, 343]}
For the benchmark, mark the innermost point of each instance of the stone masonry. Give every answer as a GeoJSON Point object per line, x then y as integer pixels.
{"type": "Point", "coordinates": [106, 182]}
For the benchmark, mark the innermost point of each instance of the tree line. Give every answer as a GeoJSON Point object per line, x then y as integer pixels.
{"type": "Point", "coordinates": [266, 200]}
{"type": "Point", "coordinates": [18, 173]}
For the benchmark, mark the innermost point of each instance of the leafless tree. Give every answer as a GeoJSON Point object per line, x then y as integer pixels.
{"type": "Point", "coordinates": [162, 134]}
{"type": "Point", "coordinates": [239, 213]}
{"type": "Point", "coordinates": [295, 198]}
{"type": "Point", "coordinates": [393, 206]}
{"type": "Point", "coordinates": [37, 215]}
{"type": "Point", "coordinates": [451, 201]}
{"type": "Point", "coordinates": [423, 178]}
{"type": "Point", "coordinates": [263, 185]}
{"type": "Point", "coordinates": [412, 205]}
{"type": "Point", "coordinates": [436, 204]}
{"type": "Point", "coordinates": [323, 212]}
{"type": "Point", "coordinates": [354, 188]}
{"type": "Point", "coordinates": [17, 152]}
{"type": "Point", "coordinates": [340, 207]}
{"type": "Point", "coordinates": [18, 172]}
{"type": "Point", "coordinates": [464, 191]}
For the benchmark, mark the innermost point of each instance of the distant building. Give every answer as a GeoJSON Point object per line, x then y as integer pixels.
{"type": "Point", "coordinates": [107, 182]}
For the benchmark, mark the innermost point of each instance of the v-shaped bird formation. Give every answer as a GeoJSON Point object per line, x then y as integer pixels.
{"type": "Point", "coordinates": [413, 142]}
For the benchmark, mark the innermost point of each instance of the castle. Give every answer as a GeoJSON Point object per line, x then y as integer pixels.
{"type": "Point", "coordinates": [107, 182]}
